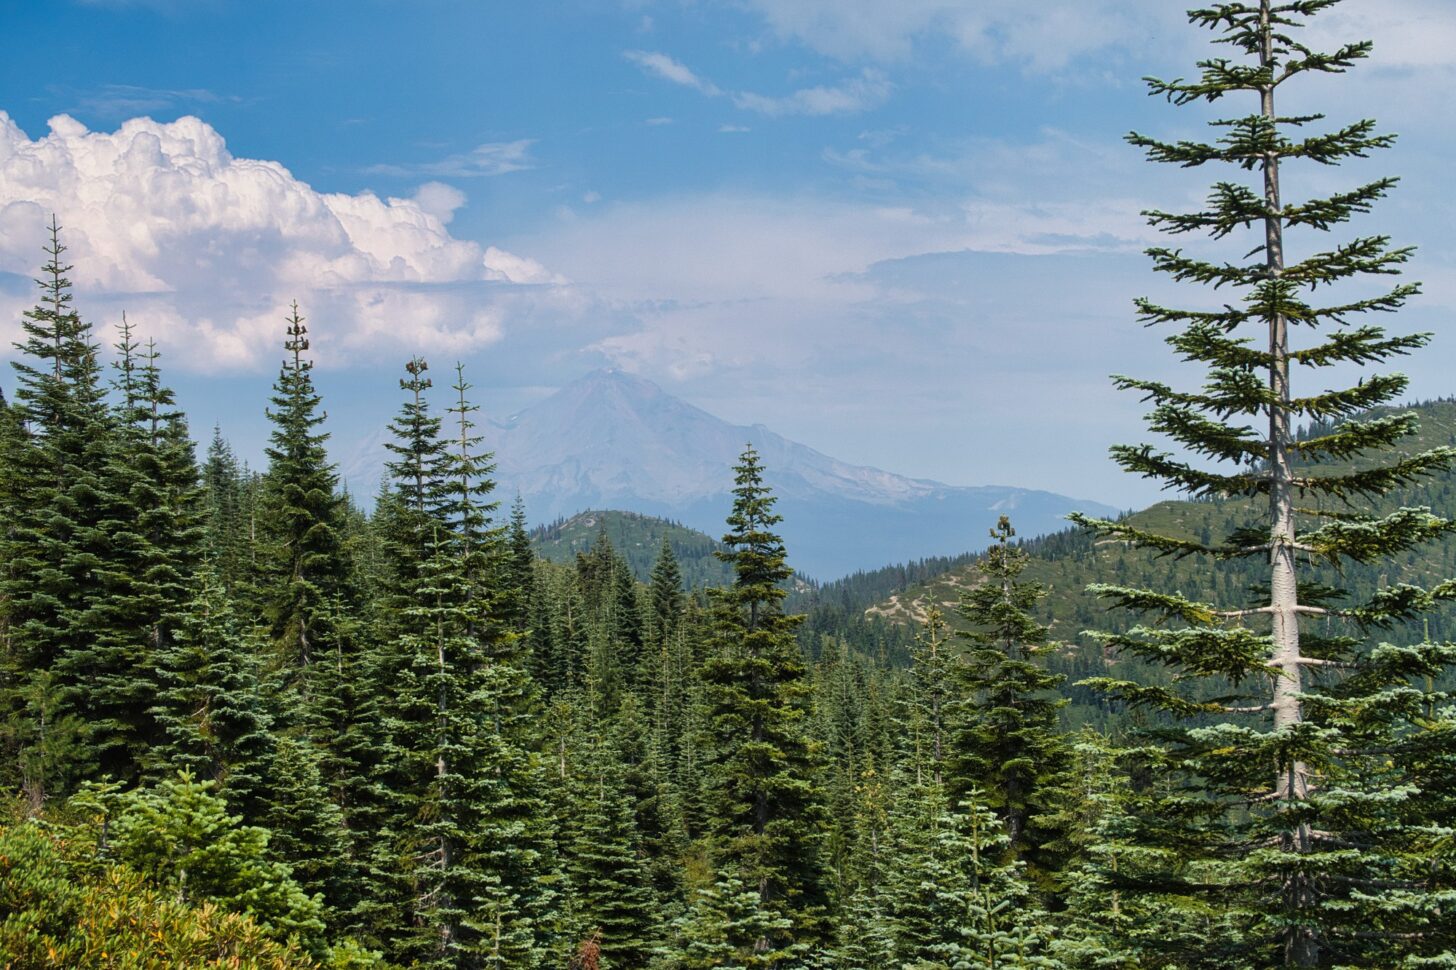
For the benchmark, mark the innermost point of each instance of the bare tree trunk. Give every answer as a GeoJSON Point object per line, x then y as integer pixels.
{"type": "Point", "coordinates": [1291, 780]}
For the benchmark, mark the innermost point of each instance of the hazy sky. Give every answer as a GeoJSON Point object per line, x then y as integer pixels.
{"type": "Point", "coordinates": [904, 233]}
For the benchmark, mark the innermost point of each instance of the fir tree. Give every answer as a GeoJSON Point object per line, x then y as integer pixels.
{"type": "Point", "coordinates": [305, 570]}
{"type": "Point", "coordinates": [308, 829]}
{"type": "Point", "coordinates": [661, 680]}
{"type": "Point", "coordinates": [666, 593]}
{"type": "Point", "coordinates": [16, 452]}
{"type": "Point", "coordinates": [211, 709]}
{"type": "Point", "coordinates": [63, 706]}
{"type": "Point", "coordinates": [520, 568]}
{"type": "Point", "coordinates": [543, 620]}
{"type": "Point", "coordinates": [729, 925]}
{"type": "Point", "coordinates": [407, 526]}
{"type": "Point", "coordinates": [839, 710]}
{"type": "Point", "coordinates": [1090, 811]}
{"type": "Point", "coordinates": [304, 584]}
{"type": "Point", "coordinates": [952, 899]}
{"type": "Point", "coordinates": [764, 804]}
{"type": "Point", "coordinates": [611, 892]}
{"type": "Point", "coordinates": [14, 442]}
{"type": "Point", "coordinates": [180, 835]}
{"type": "Point", "coordinates": [1289, 810]}
{"type": "Point", "coordinates": [480, 864]}
{"type": "Point", "coordinates": [153, 526]}
{"type": "Point", "coordinates": [931, 665]}
{"type": "Point", "coordinates": [1007, 740]}
{"type": "Point", "coordinates": [229, 535]}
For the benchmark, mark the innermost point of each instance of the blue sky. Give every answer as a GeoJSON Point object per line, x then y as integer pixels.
{"type": "Point", "coordinates": [905, 234]}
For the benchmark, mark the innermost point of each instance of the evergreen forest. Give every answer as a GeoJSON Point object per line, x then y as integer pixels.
{"type": "Point", "coordinates": [249, 721]}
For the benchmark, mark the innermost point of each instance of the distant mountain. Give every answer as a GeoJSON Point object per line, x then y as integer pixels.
{"type": "Point", "coordinates": [613, 440]}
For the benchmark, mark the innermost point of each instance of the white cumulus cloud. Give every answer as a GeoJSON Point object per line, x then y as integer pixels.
{"type": "Point", "coordinates": [206, 249]}
{"type": "Point", "coordinates": [439, 200]}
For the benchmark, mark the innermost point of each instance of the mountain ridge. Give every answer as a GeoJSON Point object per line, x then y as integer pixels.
{"type": "Point", "coordinates": [614, 440]}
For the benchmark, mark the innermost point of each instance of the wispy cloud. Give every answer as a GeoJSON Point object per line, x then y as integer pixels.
{"type": "Point", "coordinates": [482, 161]}
{"type": "Point", "coordinates": [870, 90]}
{"type": "Point", "coordinates": [733, 129]}
{"type": "Point", "coordinates": [1408, 34]}
{"type": "Point", "coordinates": [113, 101]}
{"type": "Point", "coordinates": [668, 68]}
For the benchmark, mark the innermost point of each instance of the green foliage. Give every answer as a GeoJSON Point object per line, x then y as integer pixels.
{"type": "Point", "coordinates": [471, 865]}
{"type": "Point", "coordinates": [406, 730]}
{"type": "Point", "coordinates": [1071, 566]}
{"type": "Point", "coordinates": [70, 698]}
{"type": "Point", "coordinates": [180, 836]}
{"type": "Point", "coordinates": [308, 826]}
{"type": "Point", "coordinates": [302, 562]}
{"type": "Point", "coordinates": [153, 527]}
{"type": "Point", "coordinates": [763, 802]}
{"type": "Point", "coordinates": [611, 896]}
{"type": "Point", "coordinates": [1277, 805]}
{"type": "Point", "coordinates": [730, 926]}
{"type": "Point", "coordinates": [948, 898]}
{"type": "Point", "coordinates": [57, 911]}
{"type": "Point", "coordinates": [638, 538]}
{"type": "Point", "coordinates": [1007, 740]}
{"type": "Point", "coordinates": [211, 708]}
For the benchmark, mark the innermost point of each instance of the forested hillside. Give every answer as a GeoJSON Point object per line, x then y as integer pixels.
{"type": "Point", "coordinates": [1066, 564]}
{"type": "Point", "coordinates": [247, 723]}
{"type": "Point", "coordinates": [636, 538]}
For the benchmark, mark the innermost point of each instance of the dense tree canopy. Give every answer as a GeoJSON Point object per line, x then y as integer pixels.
{"type": "Point", "coordinates": [247, 722]}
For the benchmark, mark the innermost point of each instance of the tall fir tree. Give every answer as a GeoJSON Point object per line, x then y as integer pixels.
{"type": "Point", "coordinates": [930, 698]}
{"type": "Point", "coordinates": [1291, 817]}
{"type": "Point", "coordinates": [407, 526]}
{"type": "Point", "coordinates": [520, 568]}
{"type": "Point", "coordinates": [304, 571]}
{"type": "Point", "coordinates": [173, 519]}
{"type": "Point", "coordinates": [14, 442]}
{"type": "Point", "coordinates": [480, 862]}
{"type": "Point", "coordinates": [764, 803]}
{"type": "Point", "coordinates": [229, 534]}
{"type": "Point", "coordinates": [62, 706]}
{"type": "Point", "coordinates": [1007, 740]}
{"type": "Point", "coordinates": [303, 583]}
{"type": "Point", "coordinates": [153, 525]}
{"type": "Point", "coordinates": [611, 897]}
{"type": "Point", "coordinates": [666, 593]}
{"type": "Point", "coordinates": [16, 452]}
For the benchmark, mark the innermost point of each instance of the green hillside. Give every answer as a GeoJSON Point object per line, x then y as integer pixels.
{"type": "Point", "coordinates": [638, 539]}
{"type": "Point", "coordinates": [1066, 562]}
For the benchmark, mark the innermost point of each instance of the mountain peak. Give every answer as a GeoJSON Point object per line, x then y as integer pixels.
{"type": "Point", "coordinates": [613, 439]}
{"type": "Point", "coordinates": [605, 377]}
